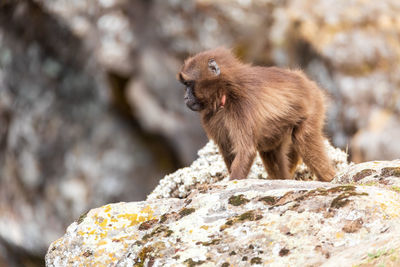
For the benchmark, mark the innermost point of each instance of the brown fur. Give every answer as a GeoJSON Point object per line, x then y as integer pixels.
{"type": "Point", "coordinates": [277, 112]}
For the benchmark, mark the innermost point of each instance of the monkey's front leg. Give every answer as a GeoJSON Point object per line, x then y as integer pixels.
{"type": "Point", "coordinates": [242, 163]}
{"type": "Point", "coordinates": [225, 148]}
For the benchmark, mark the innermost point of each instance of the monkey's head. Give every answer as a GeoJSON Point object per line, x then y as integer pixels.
{"type": "Point", "coordinates": [204, 78]}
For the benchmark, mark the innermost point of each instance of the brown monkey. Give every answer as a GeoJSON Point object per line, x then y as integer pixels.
{"type": "Point", "coordinates": [245, 109]}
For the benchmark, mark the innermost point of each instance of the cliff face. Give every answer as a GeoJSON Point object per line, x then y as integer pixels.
{"type": "Point", "coordinates": [196, 216]}
{"type": "Point", "coordinates": [349, 47]}
{"type": "Point", "coordinates": [63, 148]}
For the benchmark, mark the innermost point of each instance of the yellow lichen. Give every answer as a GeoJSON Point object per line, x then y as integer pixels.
{"type": "Point", "coordinates": [106, 222]}
{"type": "Point", "coordinates": [99, 252]}
{"type": "Point", "coordinates": [107, 208]}
{"type": "Point", "coordinates": [147, 210]}
{"type": "Point", "coordinates": [339, 235]}
{"type": "Point", "coordinates": [103, 223]}
{"type": "Point", "coordinates": [102, 242]}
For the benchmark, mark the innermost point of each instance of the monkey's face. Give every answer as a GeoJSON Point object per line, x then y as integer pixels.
{"type": "Point", "coordinates": [199, 75]}
{"type": "Point", "coordinates": [190, 100]}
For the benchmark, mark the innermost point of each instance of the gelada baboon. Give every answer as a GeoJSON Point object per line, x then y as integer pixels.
{"type": "Point", "coordinates": [244, 109]}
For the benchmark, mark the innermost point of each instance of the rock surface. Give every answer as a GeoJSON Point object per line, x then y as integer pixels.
{"type": "Point", "coordinates": [212, 222]}
{"type": "Point", "coordinates": [210, 168]}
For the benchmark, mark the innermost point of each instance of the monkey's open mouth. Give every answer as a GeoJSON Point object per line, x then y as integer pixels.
{"type": "Point", "coordinates": [194, 106]}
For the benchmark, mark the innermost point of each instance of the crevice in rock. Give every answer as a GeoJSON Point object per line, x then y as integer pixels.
{"type": "Point", "coordinates": [165, 154]}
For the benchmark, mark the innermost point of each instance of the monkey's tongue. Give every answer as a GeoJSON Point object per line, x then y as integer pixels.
{"type": "Point", "coordinates": [223, 100]}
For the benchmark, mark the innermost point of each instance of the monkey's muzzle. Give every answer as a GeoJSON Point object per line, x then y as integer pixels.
{"type": "Point", "coordinates": [191, 101]}
{"type": "Point", "coordinates": [195, 106]}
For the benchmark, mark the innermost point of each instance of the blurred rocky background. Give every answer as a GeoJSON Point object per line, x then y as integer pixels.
{"type": "Point", "coordinates": [91, 113]}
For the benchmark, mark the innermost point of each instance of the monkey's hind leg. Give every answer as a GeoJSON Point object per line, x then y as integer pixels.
{"type": "Point", "coordinates": [227, 155]}
{"type": "Point", "coordinates": [310, 146]}
{"type": "Point", "coordinates": [294, 160]}
{"type": "Point", "coordinates": [276, 163]}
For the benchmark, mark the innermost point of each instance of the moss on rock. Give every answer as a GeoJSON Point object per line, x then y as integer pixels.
{"type": "Point", "coordinates": [390, 171]}
{"type": "Point", "coordinates": [186, 211]}
{"type": "Point", "coordinates": [362, 174]}
{"type": "Point", "coordinates": [238, 200]}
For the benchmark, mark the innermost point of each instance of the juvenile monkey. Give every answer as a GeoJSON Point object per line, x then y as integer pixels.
{"type": "Point", "coordinates": [244, 109]}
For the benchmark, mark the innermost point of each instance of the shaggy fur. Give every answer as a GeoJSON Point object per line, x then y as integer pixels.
{"type": "Point", "coordinates": [245, 109]}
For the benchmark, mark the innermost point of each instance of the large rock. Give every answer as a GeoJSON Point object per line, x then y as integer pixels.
{"type": "Point", "coordinates": [245, 222]}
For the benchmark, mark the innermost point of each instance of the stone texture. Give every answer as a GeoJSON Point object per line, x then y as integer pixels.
{"type": "Point", "coordinates": [196, 216]}
{"type": "Point", "coordinates": [245, 222]}
{"type": "Point", "coordinates": [384, 174]}
{"type": "Point", "coordinates": [210, 168]}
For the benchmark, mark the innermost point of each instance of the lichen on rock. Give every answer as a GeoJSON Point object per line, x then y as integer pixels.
{"type": "Point", "coordinates": [385, 174]}
{"type": "Point", "coordinates": [210, 168]}
{"type": "Point", "coordinates": [203, 219]}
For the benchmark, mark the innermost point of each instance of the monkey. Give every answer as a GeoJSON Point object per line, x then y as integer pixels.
{"type": "Point", "coordinates": [246, 109]}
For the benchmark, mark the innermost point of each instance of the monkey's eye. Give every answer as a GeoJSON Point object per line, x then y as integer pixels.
{"type": "Point", "coordinates": [188, 83]}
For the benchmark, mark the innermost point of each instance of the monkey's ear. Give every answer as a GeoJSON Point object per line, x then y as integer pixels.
{"type": "Point", "coordinates": [213, 67]}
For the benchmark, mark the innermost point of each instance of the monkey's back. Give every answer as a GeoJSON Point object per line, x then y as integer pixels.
{"type": "Point", "coordinates": [283, 98]}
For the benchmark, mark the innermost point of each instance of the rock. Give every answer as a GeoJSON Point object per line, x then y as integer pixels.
{"type": "Point", "coordinates": [210, 168]}
{"type": "Point", "coordinates": [384, 174]}
{"type": "Point", "coordinates": [196, 216]}
{"type": "Point", "coordinates": [252, 221]}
